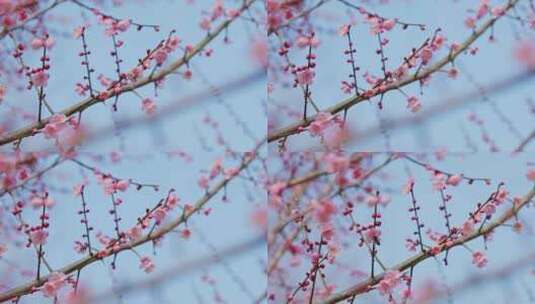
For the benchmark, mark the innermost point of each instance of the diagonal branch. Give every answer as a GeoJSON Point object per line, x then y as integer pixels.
{"type": "Point", "coordinates": [6, 30]}
{"type": "Point", "coordinates": [154, 235]}
{"type": "Point", "coordinates": [299, 126]}
{"type": "Point", "coordinates": [365, 286]}
{"type": "Point", "coordinates": [90, 101]}
{"type": "Point", "coordinates": [183, 268]}
{"type": "Point", "coordinates": [447, 105]}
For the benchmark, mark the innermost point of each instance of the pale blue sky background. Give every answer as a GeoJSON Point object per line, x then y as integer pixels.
{"type": "Point", "coordinates": [145, 153]}
{"type": "Point", "coordinates": [505, 247]}
{"type": "Point", "coordinates": [145, 148]}
{"type": "Point", "coordinates": [493, 62]}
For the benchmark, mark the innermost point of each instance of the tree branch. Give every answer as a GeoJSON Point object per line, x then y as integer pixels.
{"type": "Point", "coordinates": [298, 127]}
{"type": "Point", "coordinates": [78, 265]}
{"type": "Point", "coordinates": [90, 101]}
{"type": "Point", "coordinates": [364, 286]}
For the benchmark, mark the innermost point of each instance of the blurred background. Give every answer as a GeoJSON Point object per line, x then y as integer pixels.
{"type": "Point", "coordinates": [216, 115]}
{"type": "Point", "coordinates": [492, 86]}
{"type": "Point", "coordinates": [507, 278]}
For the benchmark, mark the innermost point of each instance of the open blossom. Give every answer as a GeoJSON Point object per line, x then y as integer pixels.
{"type": "Point", "coordinates": [39, 202]}
{"type": "Point", "coordinates": [303, 41]}
{"type": "Point", "coordinates": [55, 281]}
{"type": "Point", "coordinates": [344, 29]}
{"type": "Point", "coordinates": [454, 180]}
{"type": "Point", "coordinates": [370, 79]}
{"type": "Point", "coordinates": [389, 24]}
{"type": "Point", "coordinates": [135, 73]}
{"type": "Point", "coordinates": [216, 168]}
{"type": "Point", "coordinates": [391, 280]}
{"type": "Point", "coordinates": [320, 123]}
{"type": "Point", "coordinates": [413, 103]}
{"type": "Point", "coordinates": [347, 87]}
{"type": "Point", "coordinates": [426, 54]}
{"type": "Point", "coordinates": [470, 22]}
{"type": "Point", "coordinates": [56, 123]}
{"type": "Point", "coordinates": [122, 185]}
{"type": "Point", "coordinates": [40, 78]}
{"type": "Point", "coordinates": [160, 56]}
{"type": "Point", "coordinates": [305, 77]}
{"type": "Point", "coordinates": [217, 10]}
{"type": "Point", "coordinates": [159, 215]}
{"type": "Point", "coordinates": [112, 185]}
{"type": "Point", "coordinates": [438, 42]}
{"type": "Point", "coordinates": [146, 264]}
{"type": "Point", "coordinates": [37, 43]}
{"type": "Point", "coordinates": [205, 24]}
{"type": "Point", "coordinates": [467, 228]}
{"type": "Point", "coordinates": [324, 210]}
{"type": "Point", "coordinates": [123, 25]}
{"type": "Point", "coordinates": [113, 27]}
{"type": "Point", "coordinates": [439, 181]}
{"type": "Point", "coordinates": [336, 163]}
{"type": "Point", "coordinates": [80, 247]}
{"type": "Point", "coordinates": [479, 259]}
{"type": "Point", "coordinates": [105, 81]}
{"type": "Point", "coordinates": [334, 138]}
{"type": "Point", "coordinates": [203, 182]}
{"type": "Point", "coordinates": [501, 195]}
{"type": "Point", "coordinates": [275, 191]}
{"type": "Point", "coordinates": [148, 106]}
{"type": "Point", "coordinates": [372, 235]}
{"type": "Point", "coordinates": [378, 199]}
{"type": "Point", "coordinates": [411, 245]}
{"type": "Point", "coordinates": [482, 9]}
{"type": "Point", "coordinates": [134, 233]}
{"type": "Point", "coordinates": [328, 232]}
{"type": "Point", "coordinates": [39, 236]}
{"type": "Point", "coordinates": [498, 11]}
{"type": "Point", "coordinates": [172, 43]}
{"type": "Point", "coordinates": [172, 201]}
{"type": "Point", "coordinates": [377, 24]}
{"type": "Point", "coordinates": [489, 209]}
{"type": "Point", "coordinates": [81, 89]}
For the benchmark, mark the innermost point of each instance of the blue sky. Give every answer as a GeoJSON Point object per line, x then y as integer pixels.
{"type": "Point", "coordinates": [145, 149]}
{"type": "Point", "coordinates": [493, 62]}
{"type": "Point", "coordinates": [145, 152]}
{"type": "Point", "coordinates": [505, 247]}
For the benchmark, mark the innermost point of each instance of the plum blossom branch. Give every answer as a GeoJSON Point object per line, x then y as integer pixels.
{"type": "Point", "coordinates": [450, 104]}
{"type": "Point", "coordinates": [7, 30]}
{"type": "Point", "coordinates": [300, 126]}
{"type": "Point", "coordinates": [31, 287]}
{"type": "Point", "coordinates": [183, 268]}
{"type": "Point", "coordinates": [364, 286]}
{"type": "Point", "coordinates": [99, 13]}
{"type": "Point", "coordinates": [32, 129]}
